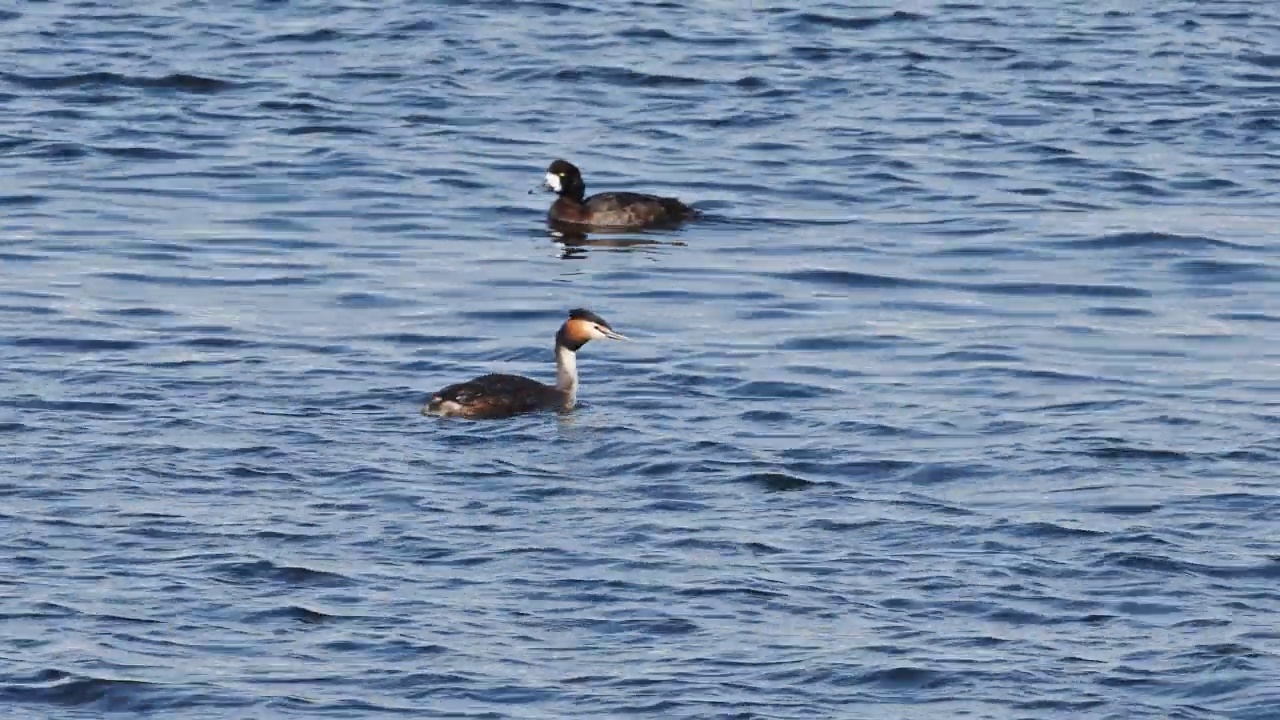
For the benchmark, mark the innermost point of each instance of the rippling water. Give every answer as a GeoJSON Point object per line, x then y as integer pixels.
{"type": "Point", "coordinates": [963, 402]}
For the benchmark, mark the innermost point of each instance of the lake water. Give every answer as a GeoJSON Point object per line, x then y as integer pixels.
{"type": "Point", "coordinates": [963, 401]}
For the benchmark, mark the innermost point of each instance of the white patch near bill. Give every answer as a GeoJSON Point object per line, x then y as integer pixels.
{"type": "Point", "coordinates": [447, 408]}
{"type": "Point", "coordinates": [553, 181]}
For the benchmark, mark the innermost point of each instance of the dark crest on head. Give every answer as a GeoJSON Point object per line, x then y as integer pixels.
{"type": "Point", "coordinates": [573, 337]}
{"type": "Point", "coordinates": [564, 168]}
{"type": "Point", "coordinates": [585, 314]}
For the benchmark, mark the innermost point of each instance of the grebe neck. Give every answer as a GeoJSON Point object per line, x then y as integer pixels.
{"type": "Point", "coordinates": [567, 373]}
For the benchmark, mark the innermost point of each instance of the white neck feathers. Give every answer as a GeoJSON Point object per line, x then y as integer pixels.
{"type": "Point", "coordinates": [567, 373]}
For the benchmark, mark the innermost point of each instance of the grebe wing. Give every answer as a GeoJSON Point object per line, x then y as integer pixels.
{"type": "Point", "coordinates": [496, 394]}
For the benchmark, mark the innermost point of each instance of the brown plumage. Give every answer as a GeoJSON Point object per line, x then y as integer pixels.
{"type": "Point", "coordinates": [498, 395]}
{"type": "Point", "coordinates": [493, 396]}
{"type": "Point", "coordinates": [609, 210]}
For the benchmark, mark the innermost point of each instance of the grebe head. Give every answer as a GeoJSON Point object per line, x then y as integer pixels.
{"type": "Point", "coordinates": [582, 327]}
{"type": "Point", "coordinates": [564, 179]}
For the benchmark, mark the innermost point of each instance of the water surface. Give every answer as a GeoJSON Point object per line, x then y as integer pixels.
{"type": "Point", "coordinates": [962, 404]}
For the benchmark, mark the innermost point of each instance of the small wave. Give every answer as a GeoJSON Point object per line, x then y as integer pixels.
{"type": "Point", "coordinates": [371, 300]}
{"type": "Point", "coordinates": [1221, 271]}
{"type": "Point", "coordinates": [625, 77]}
{"type": "Point", "coordinates": [1261, 59]}
{"type": "Point", "coordinates": [1128, 452]}
{"type": "Point", "coordinates": [67, 405]}
{"type": "Point", "coordinates": [181, 82]}
{"type": "Point", "coordinates": [145, 153]}
{"type": "Point", "coordinates": [301, 107]}
{"type": "Point", "coordinates": [417, 339]}
{"type": "Point", "coordinates": [217, 343]}
{"type": "Point", "coordinates": [25, 200]}
{"type": "Point", "coordinates": [1058, 289]}
{"type": "Point", "coordinates": [205, 281]}
{"type": "Point", "coordinates": [847, 278]}
{"type": "Point", "coordinates": [77, 344]}
{"type": "Point", "coordinates": [779, 390]}
{"type": "Point", "coordinates": [1125, 241]}
{"type": "Point", "coordinates": [139, 312]}
{"type": "Point", "coordinates": [1114, 311]}
{"type": "Point", "coordinates": [777, 481]}
{"type": "Point", "coordinates": [294, 612]}
{"type": "Point", "coordinates": [266, 571]}
{"type": "Point", "coordinates": [315, 36]}
{"type": "Point", "coordinates": [854, 23]}
{"type": "Point", "coordinates": [325, 130]}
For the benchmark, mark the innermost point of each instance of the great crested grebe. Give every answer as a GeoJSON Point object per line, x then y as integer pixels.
{"type": "Point", "coordinates": [496, 395]}
{"type": "Point", "coordinates": [609, 210]}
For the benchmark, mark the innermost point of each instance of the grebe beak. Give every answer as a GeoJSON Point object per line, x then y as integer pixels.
{"type": "Point", "coordinates": [613, 335]}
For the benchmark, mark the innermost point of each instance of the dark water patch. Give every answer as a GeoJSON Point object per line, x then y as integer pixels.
{"type": "Point", "coordinates": [320, 35]}
{"type": "Point", "coordinates": [61, 689]}
{"type": "Point", "coordinates": [24, 200]}
{"type": "Point", "coordinates": [259, 571]}
{"type": "Point", "coordinates": [22, 257]}
{"type": "Point", "coordinates": [811, 20]}
{"type": "Point", "coordinates": [1117, 311]}
{"type": "Point", "coordinates": [415, 338]}
{"type": "Point", "coordinates": [977, 356]}
{"type": "Point", "coordinates": [29, 310]}
{"type": "Point", "coordinates": [294, 613]}
{"type": "Point", "coordinates": [1144, 240]}
{"type": "Point", "coordinates": [306, 108]}
{"type": "Point", "coordinates": [1257, 317]}
{"type": "Point", "coordinates": [1122, 451]}
{"type": "Point", "coordinates": [776, 481]}
{"type": "Point", "coordinates": [766, 390]}
{"type": "Point", "coordinates": [144, 153]}
{"type": "Point", "coordinates": [180, 281]}
{"type": "Point", "coordinates": [324, 130]}
{"type": "Point", "coordinates": [1222, 271]}
{"type": "Point", "coordinates": [1048, 530]}
{"type": "Point", "coordinates": [371, 300]}
{"type": "Point", "coordinates": [849, 279]}
{"type": "Point", "coordinates": [60, 344]}
{"type": "Point", "coordinates": [938, 473]}
{"type": "Point", "coordinates": [216, 342]}
{"type": "Point", "coordinates": [74, 406]}
{"type": "Point", "coordinates": [138, 312]}
{"type": "Point", "coordinates": [834, 343]}
{"type": "Point", "coordinates": [625, 77]}
{"type": "Point", "coordinates": [1261, 59]}
{"type": "Point", "coordinates": [180, 82]}
{"type": "Point", "coordinates": [776, 417]}
{"type": "Point", "coordinates": [1056, 289]}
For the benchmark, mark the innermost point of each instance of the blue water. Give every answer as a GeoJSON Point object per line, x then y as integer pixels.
{"type": "Point", "coordinates": [963, 402]}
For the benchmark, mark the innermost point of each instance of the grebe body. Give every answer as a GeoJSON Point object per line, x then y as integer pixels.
{"type": "Point", "coordinates": [498, 395]}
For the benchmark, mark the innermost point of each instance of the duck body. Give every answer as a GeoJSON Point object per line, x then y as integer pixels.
{"type": "Point", "coordinates": [620, 210]}
{"type": "Point", "coordinates": [608, 210]}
